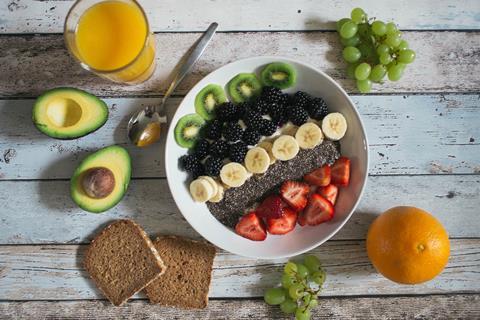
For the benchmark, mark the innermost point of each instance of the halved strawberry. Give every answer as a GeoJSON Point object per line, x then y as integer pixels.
{"type": "Point", "coordinates": [318, 210]}
{"type": "Point", "coordinates": [271, 207]}
{"type": "Point", "coordinates": [319, 177]}
{"type": "Point", "coordinates": [301, 219]}
{"type": "Point", "coordinates": [295, 194]}
{"type": "Point", "coordinates": [284, 224]}
{"type": "Point", "coordinates": [250, 226]}
{"type": "Point", "coordinates": [329, 192]}
{"type": "Point", "coordinates": [341, 172]}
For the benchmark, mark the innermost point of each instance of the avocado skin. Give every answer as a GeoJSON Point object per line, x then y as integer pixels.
{"type": "Point", "coordinates": [43, 128]}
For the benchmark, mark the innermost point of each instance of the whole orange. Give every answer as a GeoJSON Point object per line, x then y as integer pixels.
{"type": "Point", "coordinates": [408, 245]}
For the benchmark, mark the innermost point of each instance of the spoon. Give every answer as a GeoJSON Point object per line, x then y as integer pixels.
{"type": "Point", "coordinates": [144, 126]}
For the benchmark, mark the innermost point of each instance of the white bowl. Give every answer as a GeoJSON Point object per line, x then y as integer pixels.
{"type": "Point", "coordinates": [353, 145]}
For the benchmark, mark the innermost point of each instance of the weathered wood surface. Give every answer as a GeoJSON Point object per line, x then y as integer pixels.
{"type": "Point", "coordinates": [446, 61]}
{"type": "Point", "coordinates": [461, 306]}
{"type": "Point", "coordinates": [416, 134]}
{"type": "Point", "coordinates": [45, 272]}
{"type": "Point", "coordinates": [22, 16]}
{"type": "Point", "coordinates": [453, 199]}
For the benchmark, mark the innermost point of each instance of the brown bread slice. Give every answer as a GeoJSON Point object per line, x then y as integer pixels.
{"type": "Point", "coordinates": [186, 282]}
{"type": "Point", "coordinates": [122, 260]}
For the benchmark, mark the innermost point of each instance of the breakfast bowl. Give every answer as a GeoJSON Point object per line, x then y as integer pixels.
{"type": "Point", "coordinates": [353, 146]}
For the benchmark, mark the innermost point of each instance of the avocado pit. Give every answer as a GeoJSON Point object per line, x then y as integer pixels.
{"type": "Point", "coordinates": [98, 182]}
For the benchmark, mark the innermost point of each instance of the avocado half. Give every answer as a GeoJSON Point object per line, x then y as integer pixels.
{"type": "Point", "coordinates": [69, 113]}
{"type": "Point", "coordinates": [118, 161]}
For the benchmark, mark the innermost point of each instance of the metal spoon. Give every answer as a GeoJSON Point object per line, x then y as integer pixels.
{"type": "Point", "coordinates": [144, 126]}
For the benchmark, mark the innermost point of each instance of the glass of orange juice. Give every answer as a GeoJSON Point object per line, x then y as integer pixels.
{"type": "Point", "coordinates": [111, 38]}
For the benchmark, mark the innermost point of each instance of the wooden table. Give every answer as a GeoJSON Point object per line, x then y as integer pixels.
{"type": "Point", "coordinates": [424, 134]}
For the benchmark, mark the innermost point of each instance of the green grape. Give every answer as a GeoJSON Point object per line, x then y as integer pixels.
{"type": "Point", "coordinates": [366, 50]}
{"type": "Point", "coordinates": [312, 263]}
{"type": "Point", "coordinates": [296, 291]}
{"type": "Point", "coordinates": [378, 73]}
{"type": "Point", "coordinates": [348, 30]}
{"type": "Point", "coordinates": [383, 48]}
{"type": "Point", "coordinates": [358, 15]}
{"type": "Point", "coordinates": [274, 296]}
{"type": "Point", "coordinates": [288, 306]}
{"type": "Point", "coordinates": [385, 58]}
{"type": "Point", "coordinates": [302, 271]}
{"type": "Point", "coordinates": [306, 299]}
{"type": "Point", "coordinates": [379, 28]}
{"type": "Point", "coordinates": [290, 268]}
{"type": "Point", "coordinates": [341, 22]}
{"type": "Point", "coordinates": [319, 276]}
{"type": "Point", "coordinates": [393, 39]}
{"type": "Point", "coordinates": [395, 72]}
{"type": "Point", "coordinates": [391, 27]}
{"type": "Point", "coordinates": [288, 280]}
{"type": "Point", "coordinates": [364, 86]}
{"type": "Point", "coordinates": [403, 45]}
{"type": "Point", "coordinates": [406, 56]}
{"type": "Point", "coordinates": [351, 70]}
{"type": "Point", "coordinates": [362, 71]}
{"type": "Point", "coordinates": [351, 54]}
{"type": "Point", "coordinates": [302, 314]}
{"type": "Point", "coordinates": [313, 303]}
{"type": "Point", "coordinates": [350, 42]}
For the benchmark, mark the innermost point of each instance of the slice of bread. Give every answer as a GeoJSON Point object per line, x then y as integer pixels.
{"type": "Point", "coordinates": [122, 260]}
{"type": "Point", "coordinates": [186, 282]}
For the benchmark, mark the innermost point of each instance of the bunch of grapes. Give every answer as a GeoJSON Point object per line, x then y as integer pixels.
{"type": "Point", "coordinates": [373, 49]}
{"type": "Point", "coordinates": [301, 285]}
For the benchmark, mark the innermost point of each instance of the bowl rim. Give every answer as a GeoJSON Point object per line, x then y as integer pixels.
{"type": "Point", "coordinates": [362, 189]}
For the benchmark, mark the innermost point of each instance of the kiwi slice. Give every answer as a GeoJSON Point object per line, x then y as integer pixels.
{"type": "Point", "coordinates": [279, 74]}
{"type": "Point", "coordinates": [208, 99]}
{"type": "Point", "coordinates": [188, 130]}
{"type": "Point", "coordinates": [243, 87]}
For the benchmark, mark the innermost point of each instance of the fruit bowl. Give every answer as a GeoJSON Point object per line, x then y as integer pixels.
{"type": "Point", "coordinates": [353, 145]}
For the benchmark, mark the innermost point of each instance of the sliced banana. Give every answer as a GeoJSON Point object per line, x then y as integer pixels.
{"type": "Point", "coordinates": [212, 182]}
{"type": "Point", "coordinates": [233, 174]}
{"type": "Point", "coordinates": [285, 148]}
{"type": "Point", "coordinates": [267, 145]}
{"type": "Point", "coordinates": [201, 190]}
{"type": "Point", "coordinates": [257, 160]}
{"type": "Point", "coordinates": [334, 126]}
{"type": "Point", "coordinates": [219, 196]}
{"type": "Point", "coordinates": [309, 135]}
{"type": "Point", "coordinates": [289, 129]}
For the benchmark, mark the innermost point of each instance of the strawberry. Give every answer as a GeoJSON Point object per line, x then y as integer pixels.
{"type": "Point", "coordinates": [295, 194]}
{"type": "Point", "coordinates": [319, 177]}
{"type": "Point", "coordinates": [318, 210]}
{"type": "Point", "coordinates": [271, 207]}
{"type": "Point", "coordinates": [301, 219]}
{"type": "Point", "coordinates": [284, 224]}
{"type": "Point", "coordinates": [250, 226]}
{"type": "Point", "coordinates": [341, 172]}
{"type": "Point", "coordinates": [329, 192]}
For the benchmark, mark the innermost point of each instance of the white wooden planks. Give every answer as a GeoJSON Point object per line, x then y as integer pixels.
{"type": "Point", "coordinates": [56, 273]}
{"type": "Point", "coordinates": [22, 16]}
{"type": "Point", "coordinates": [446, 61]}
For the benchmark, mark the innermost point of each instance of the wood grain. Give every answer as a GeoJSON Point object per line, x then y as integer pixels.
{"type": "Point", "coordinates": [55, 272]}
{"type": "Point", "coordinates": [21, 16]}
{"type": "Point", "coordinates": [459, 306]}
{"type": "Point", "coordinates": [416, 134]}
{"type": "Point", "coordinates": [446, 61]}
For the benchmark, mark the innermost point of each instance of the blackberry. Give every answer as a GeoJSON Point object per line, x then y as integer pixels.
{"type": "Point", "coordinates": [284, 99]}
{"type": "Point", "coordinates": [301, 99]}
{"type": "Point", "coordinates": [232, 131]}
{"type": "Point", "coordinates": [297, 115]}
{"type": "Point", "coordinates": [261, 106]}
{"type": "Point", "coordinates": [251, 137]}
{"type": "Point", "coordinates": [213, 166]}
{"type": "Point", "coordinates": [226, 111]}
{"type": "Point", "coordinates": [219, 149]}
{"type": "Point", "coordinates": [213, 130]}
{"type": "Point", "coordinates": [253, 120]}
{"type": "Point", "coordinates": [189, 162]}
{"type": "Point", "coordinates": [268, 128]}
{"type": "Point", "coordinates": [201, 148]}
{"type": "Point", "coordinates": [238, 151]}
{"type": "Point", "coordinates": [276, 110]}
{"type": "Point", "coordinates": [199, 171]}
{"type": "Point", "coordinates": [317, 109]}
{"type": "Point", "coordinates": [271, 94]}
{"type": "Point", "coordinates": [241, 108]}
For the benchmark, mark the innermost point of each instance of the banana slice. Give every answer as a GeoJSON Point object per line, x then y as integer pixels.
{"type": "Point", "coordinates": [267, 145]}
{"type": "Point", "coordinates": [334, 126]}
{"type": "Point", "coordinates": [309, 135]}
{"type": "Point", "coordinates": [219, 196]}
{"type": "Point", "coordinates": [285, 148]}
{"type": "Point", "coordinates": [212, 182]}
{"type": "Point", "coordinates": [257, 160]}
{"type": "Point", "coordinates": [233, 174]}
{"type": "Point", "coordinates": [201, 190]}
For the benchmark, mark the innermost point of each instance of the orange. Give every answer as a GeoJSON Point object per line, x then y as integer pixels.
{"type": "Point", "coordinates": [408, 245]}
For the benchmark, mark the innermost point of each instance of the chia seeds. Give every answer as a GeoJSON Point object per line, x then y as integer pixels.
{"type": "Point", "coordinates": [237, 200]}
